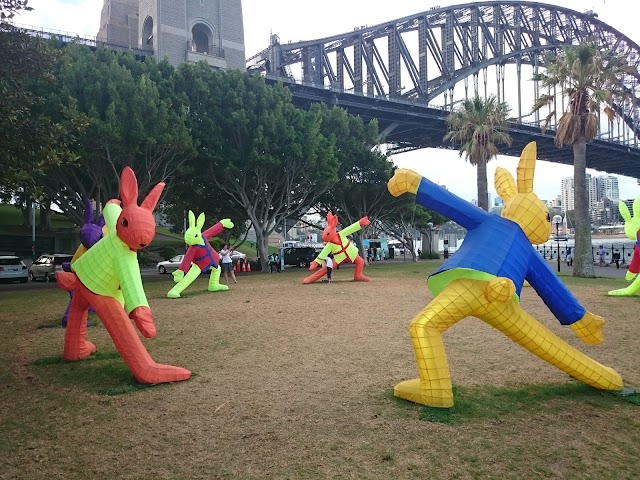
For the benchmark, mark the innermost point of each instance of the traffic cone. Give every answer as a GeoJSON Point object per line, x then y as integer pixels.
{"type": "Point", "coordinates": [235, 267]}
{"type": "Point", "coordinates": [248, 265]}
{"type": "Point", "coordinates": [244, 265]}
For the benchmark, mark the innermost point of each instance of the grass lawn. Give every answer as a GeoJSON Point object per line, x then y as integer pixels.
{"type": "Point", "coordinates": [295, 381]}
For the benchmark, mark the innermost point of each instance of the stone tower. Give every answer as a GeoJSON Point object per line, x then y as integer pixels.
{"type": "Point", "coordinates": [181, 30]}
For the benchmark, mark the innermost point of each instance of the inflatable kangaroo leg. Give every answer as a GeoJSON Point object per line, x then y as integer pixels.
{"type": "Point", "coordinates": [316, 275]}
{"type": "Point", "coordinates": [357, 275]}
{"type": "Point", "coordinates": [187, 280]}
{"type": "Point", "coordinates": [75, 344]}
{"type": "Point", "coordinates": [508, 317]}
{"type": "Point", "coordinates": [433, 388]}
{"type": "Point", "coordinates": [214, 281]}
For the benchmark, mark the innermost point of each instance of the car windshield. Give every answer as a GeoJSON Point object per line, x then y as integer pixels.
{"type": "Point", "coordinates": [61, 259]}
{"type": "Point", "coordinates": [177, 258]}
{"type": "Point", "coordinates": [10, 261]}
{"type": "Point", "coordinates": [43, 260]}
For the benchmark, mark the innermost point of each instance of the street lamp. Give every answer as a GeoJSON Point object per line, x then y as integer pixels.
{"type": "Point", "coordinates": [557, 219]}
{"type": "Point", "coordinates": [430, 227]}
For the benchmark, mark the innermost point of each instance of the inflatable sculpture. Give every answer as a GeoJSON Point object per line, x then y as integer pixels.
{"type": "Point", "coordinates": [343, 250]}
{"type": "Point", "coordinates": [200, 257]}
{"type": "Point", "coordinates": [90, 233]}
{"type": "Point", "coordinates": [111, 264]}
{"type": "Point", "coordinates": [632, 231]}
{"type": "Point", "coordinates": [484, 279]}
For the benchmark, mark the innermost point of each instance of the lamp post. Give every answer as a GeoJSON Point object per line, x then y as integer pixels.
{"type": "Point", "coordinates": [430, 227]}
{"type": "Point", "coordinates": [557, 219]}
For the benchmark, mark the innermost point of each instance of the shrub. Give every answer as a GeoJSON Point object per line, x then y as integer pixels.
{"type": "Point", "coordinates": [425, 255]}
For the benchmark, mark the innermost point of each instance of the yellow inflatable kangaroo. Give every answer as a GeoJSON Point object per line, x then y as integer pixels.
{"type": "Point", "coordinates": [484, 279]}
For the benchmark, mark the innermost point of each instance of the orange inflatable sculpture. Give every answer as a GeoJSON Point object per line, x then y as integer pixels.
{"type": "Point", "coordinates": [109, 270]}
{"type": "Point", "coordinates": [343, 250]}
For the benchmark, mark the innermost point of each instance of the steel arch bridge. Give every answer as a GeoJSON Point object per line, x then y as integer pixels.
{"type": "Point", "coordinates": [408, 73]}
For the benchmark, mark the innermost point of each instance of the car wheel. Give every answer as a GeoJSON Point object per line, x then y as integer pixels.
{"type": "Point", "coordinates": [47, 278]}
{"type": "Point", "coordinates": [303, 263]}
{"type": "Point", "coordinates": [161, 269]}
{"type": "Point", "coordinates": [31, 277]}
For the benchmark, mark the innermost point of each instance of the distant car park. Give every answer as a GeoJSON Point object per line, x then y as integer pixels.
{"type": "Point", "coordinates": [48, 265]}
{"type": "Point", "coordinates": [170, 265]}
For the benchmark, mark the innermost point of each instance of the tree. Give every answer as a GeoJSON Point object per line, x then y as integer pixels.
{"type": "Point", "coordinates": [589, 78]}
{"type": "Point", "coordinates": [266, 155]}
{"type": "Point", "coordinates": [363, 172]}
{"type": "Point", "coordinates": [479, 125]}
{"type": "Point", "coordinates": [133, 120]}
{"type": "Point", "coordinates": [30, 140]}
{"type": "Point", "coordinates": [406, 221]}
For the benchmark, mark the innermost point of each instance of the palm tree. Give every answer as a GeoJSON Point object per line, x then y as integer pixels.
{"type": "Point", "coordinates": [588, 78]}
{"type": "Point", "coordinates": [478, 126]}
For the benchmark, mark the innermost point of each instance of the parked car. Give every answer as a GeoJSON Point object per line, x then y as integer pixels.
{"type": "Point", "coordinates": [300, 256]}
{"type": "Point", "coordinates": [47, 266]}
{"type": "Point", "coordinates": [12, 268]}
{"type": "Point", "coordinates": [170, 265]}
{"type": "Point", "coordinates": [235, 256]}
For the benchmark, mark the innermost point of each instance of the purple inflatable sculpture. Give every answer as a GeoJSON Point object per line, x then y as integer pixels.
{"type": "Point", "coordinates": [90, 234]}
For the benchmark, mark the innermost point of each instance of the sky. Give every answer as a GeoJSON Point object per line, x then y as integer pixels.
{"type": "Point", "coordinates": [294, 20]}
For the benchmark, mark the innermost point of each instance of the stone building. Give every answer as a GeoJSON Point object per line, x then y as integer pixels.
{"type": "Point", "coordinates": [181, 30]}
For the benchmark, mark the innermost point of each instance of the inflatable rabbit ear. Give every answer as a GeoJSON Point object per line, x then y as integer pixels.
{"type": "Point", "coordinates": [192, 219]}
{"type": "Point", "coordinates": [636, 208]}
{"type": "Point", "coordinates": [100, 221]}
{"type": "Point", "coordinates": [200, 222]}
{"type": "Point", "coordinates": [624, 210]}
{"type": "Point", "coordinates": [332, 220]}
{"type": "Point", "coordinates": [128, 187]}
{"type": "Point", "coordinates": [505, 184]}
{"type": "Point", "coordinates": [88, 211]}
{"type": "Point", "coordinates": [526, 168]}
{"type": "Point", "coordinates": [153, 198]}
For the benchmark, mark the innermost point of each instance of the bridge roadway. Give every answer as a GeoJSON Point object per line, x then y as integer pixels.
{"type": "Point", "coordinates": [412, 126]}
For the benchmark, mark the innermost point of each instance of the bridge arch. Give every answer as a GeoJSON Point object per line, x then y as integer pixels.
{"type": "Point", "coordinates": [422, 57]}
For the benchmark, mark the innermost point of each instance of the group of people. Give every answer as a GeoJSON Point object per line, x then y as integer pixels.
{"type": "Point", "coordinates": [601, 252]}
{"type": "Point", "coordinates": [274, 263]}
{"type": "Point", "coordinates": [374, 254]}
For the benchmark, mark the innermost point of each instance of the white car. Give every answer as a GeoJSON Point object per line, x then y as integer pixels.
{"type": "Point", "coordinates": [237, 255]}
{"type": "Point", "coordinates": [170, 265]}
{"type": "Point", "coordinates": [12, 268]}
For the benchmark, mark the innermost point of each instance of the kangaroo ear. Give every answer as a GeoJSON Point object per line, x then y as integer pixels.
{"type": "Point", "coordinates": [152, 199]}
{"type": "Point", "coordinates": [526, 168]}
{"type": "Point", "coordinates": [128, 187]}
{"type": "Point", "coordinates": [192, 219]}
{"type": "Point", "coordinates": [636, 208]}
{"type": "Point", "coordinates": [504, 183]}
{"type": "Point", "coordinates": [332, 220]}
{"type": "Point", "coordinates": [200, 222]}
{"type": "Point", "coordinates": [88, 211]}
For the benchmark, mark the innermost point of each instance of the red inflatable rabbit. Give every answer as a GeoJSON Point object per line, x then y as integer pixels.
{"type": "Point", "coordinates": [110, 265]}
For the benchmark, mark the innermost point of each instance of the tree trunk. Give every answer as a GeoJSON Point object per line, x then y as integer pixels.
{"type": "Point", "coordinates": [483, 194]}
{"type": "Point", "coordinates": [583, 256]}
{"type": "Point", "coordinates": [262, 242]}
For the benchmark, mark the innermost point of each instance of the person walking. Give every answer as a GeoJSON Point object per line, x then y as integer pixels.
{"type": "Point", "coordinates": [329, 264]}
{"type": "Point", "coordinates": [601, 254]}
{"type": "Point", "coordinates": [227, 263]}
{"type": "Point", "coordinates": [569, 257]}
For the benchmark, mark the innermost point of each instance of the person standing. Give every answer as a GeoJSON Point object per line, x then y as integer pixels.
{"type": "Point", "coordinates": [601, 254]}
{"type": "Point", "coordinates": [227, 263]}
{"type": "Point", "coordinates": [329, 264]}
{"type": "Point", "coordinates": [569, 257]}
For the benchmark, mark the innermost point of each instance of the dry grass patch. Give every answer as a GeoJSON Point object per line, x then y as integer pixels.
{"type": "Point", "coordinates": [295, 381]}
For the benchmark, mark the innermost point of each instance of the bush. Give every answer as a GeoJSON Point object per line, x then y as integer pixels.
{"type": "Point", "coordinates": [425, 255]}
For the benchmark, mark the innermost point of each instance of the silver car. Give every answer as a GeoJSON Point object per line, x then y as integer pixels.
{"type": "Point", "coordinates": [12, 268]}
{"type": "Point", "coordinates": [170, 265]}
{"type": "Point", "coordinates": [46, 266]}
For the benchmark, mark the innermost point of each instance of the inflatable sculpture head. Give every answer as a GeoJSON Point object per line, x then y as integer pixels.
{"type": "Point", "coordinates": [136, 226]}
{"type": "Point", "coordinates": [521, 205]}
{"type": "Point", "coordinates": [193, 235]}
{"type": "Point", "coordinates": [330, 234]}
{"type": "Point", "coordinates": [90, 232]}
{"type": "Point", "coordinates": [631, 224]}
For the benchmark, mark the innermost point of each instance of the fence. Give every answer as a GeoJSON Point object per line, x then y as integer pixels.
{"type": "Point", "coordinates": [624, 250]}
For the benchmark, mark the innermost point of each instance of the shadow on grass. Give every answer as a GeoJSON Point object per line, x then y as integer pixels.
{"type": "Point", "coordinates": [490, 403]}
{"type": "Point", "coordinates": [103, 373]}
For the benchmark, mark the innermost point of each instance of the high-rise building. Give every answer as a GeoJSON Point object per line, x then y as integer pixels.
{"type": "Point", "coordinates": [608, 187]}
{"type": "Point", "coordinates": [181, 30]}
{"type": "Point", "coordinates": [567, 192]}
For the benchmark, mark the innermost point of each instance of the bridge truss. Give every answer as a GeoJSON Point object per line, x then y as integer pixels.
{"type": "Point", "coordinates": [436, 58]}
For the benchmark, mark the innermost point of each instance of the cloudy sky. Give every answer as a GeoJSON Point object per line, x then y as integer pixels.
{"type": "Point", "coordinates": [294, 20]}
